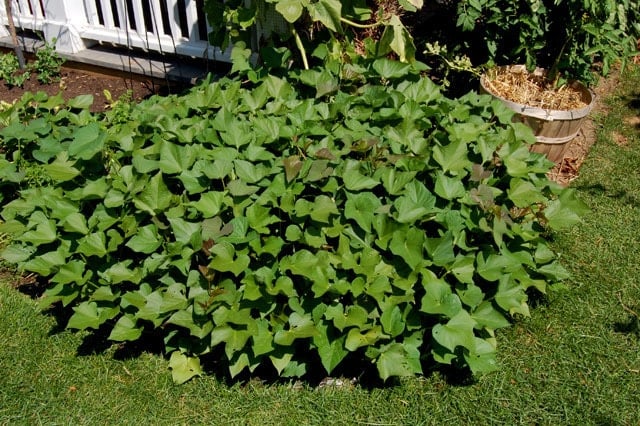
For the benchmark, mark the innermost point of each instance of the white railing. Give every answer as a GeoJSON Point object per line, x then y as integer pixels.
{"type": "Point", "coordinates": [165, 26]}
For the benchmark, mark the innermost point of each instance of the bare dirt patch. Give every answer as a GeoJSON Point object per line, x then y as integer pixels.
{"type": "Point", "coordinates": [633, 121]}
{"type": "Point", "coordinates": [78, 80]}
{"type": "Point", "coordinates": [620, 139]}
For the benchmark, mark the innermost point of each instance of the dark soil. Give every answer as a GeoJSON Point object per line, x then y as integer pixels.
{"type": "Point", "coordinates": [76, 80]}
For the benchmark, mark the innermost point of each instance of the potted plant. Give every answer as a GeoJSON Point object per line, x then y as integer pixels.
{"type": "Point", "coordinates": [554, 113]}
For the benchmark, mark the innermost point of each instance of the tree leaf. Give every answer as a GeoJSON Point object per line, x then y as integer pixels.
{"type": "Point", "coordinates": [488, 316]}
{"type": "Point", "coordinates": [93, 244]}
{"type": "Point", "coordinates": [155, 197]}
{"type": "Point", "coordinates": [361, 207]}
{"type": "Point", "coordinates": [61, 170]}
{"type": "Point", "coordinates": [183, 367]}
{"type": "Point", "coordinates": [358, 338]}
{"type": "Point", "coordinates": [146, 240]}
{"type": "Point", "coordinates": [394, 360]}
{"type": "Point", "coordinates": [565, 211]}
{"type": "Point", "coordinates": [125, 330]}
{"type": "Point", "coordinates": [389, 69]}
{"type": "Point", "coordinates": [328, 12]}
{"type": "Point", "coordinates": [439, 298]}
{"type": "Point", "coordinates": [392, 321]}
{"type": "Point", "coordinates": [225, 259]}
{"type": "Point", "coordinates": [291, 10]}
{"type": "Point", "coordinates": [482, 359]}
{"type": "Point", "coordinates": [87, 141]}
{"type": "Point", "coordinates": [81, 102]}
{"type": "Point", "coordinates": [458, 331]}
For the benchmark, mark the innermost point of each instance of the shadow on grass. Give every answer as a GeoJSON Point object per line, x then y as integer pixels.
{"type": "Point", "coordinates": [352, 371]}
{"type": "Point", "coordinates": [97, 342]}
{"type": "Point", "coordinates": [602, 191]}
{"type": "Point", "coordinates": [630, 326]}
{"type": "Point", "coordinates": [31, 285]}
{"type": "Point", "coordinates": [602, 420]}
{"type": "Point", "coordinates": [355, 369]}
{"type": "Point", "coordinates": [634, 104]}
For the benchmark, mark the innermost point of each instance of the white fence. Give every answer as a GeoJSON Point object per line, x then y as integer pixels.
{"type": "Point", "coordinates": [165, 26]}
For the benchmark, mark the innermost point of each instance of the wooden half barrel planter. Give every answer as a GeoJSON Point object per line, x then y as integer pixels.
{"type": "Point", "coordinates": [554, 129]}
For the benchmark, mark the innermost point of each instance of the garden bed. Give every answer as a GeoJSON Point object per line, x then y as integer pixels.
{"type": "Point", "coordinates": [76, 80]}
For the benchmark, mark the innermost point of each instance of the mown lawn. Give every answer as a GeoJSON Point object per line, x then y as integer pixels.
{"type": "Point", "coordinates": [576, 361]}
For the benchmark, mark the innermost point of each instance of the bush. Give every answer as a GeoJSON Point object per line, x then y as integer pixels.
{"type": "Point", "coordinates": [294, 222]}
{"type": "Point", "coordinates": [573, 36]}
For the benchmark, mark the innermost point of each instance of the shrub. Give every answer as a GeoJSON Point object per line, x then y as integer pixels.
{"type": "Point", "coordinates": [290, 223]}
{"type": "Point", "coordinates": [48, 63]}
{"type": "Point", "coordinates": [9, 70]}
{"type": "Point", "coordinates": [275, 28]}
{"type": "Point", "coordinates": [570, 35]}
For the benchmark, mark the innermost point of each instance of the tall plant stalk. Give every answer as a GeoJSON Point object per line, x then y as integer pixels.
{"type": "Point", "coordinates": [14, 37]}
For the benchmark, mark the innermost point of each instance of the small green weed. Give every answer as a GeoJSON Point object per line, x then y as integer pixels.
{"type": "Point", "coordinates": [48, 63]}
{"type": "Point", "coordinates": [9, 70]}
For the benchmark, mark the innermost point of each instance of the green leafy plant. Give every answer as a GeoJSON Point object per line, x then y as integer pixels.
{"type": "Point", "coordinates": [48, 63]}
{"type": "Point", "coordinates": [356, 214]}
{"type": "Point", "coordinates": [9, 68]}
{"type": "Point", "coordinates": [268, 26]}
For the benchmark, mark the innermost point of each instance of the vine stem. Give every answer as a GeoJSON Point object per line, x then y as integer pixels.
{"type": "Point", "coordinates": [12, 31]}
{"type": "Point", "coordinates": [361, 26]}
{"type": "Point", "coordinates": [303, 51]}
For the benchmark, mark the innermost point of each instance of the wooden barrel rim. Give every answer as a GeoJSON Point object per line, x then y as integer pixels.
{"type": "Point", "coordinates": [546, 114]}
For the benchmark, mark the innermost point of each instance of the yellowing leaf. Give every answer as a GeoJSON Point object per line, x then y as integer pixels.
{"type": "Point", "coordinates": [183, 367]}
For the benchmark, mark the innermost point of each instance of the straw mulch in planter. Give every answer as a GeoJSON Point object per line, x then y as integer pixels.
{"type": "Point", "coordinates": [518, 85]}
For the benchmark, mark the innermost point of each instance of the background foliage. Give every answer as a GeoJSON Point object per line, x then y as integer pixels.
{"type": "Point", "coordinates": [275, 28]}
{"type": "Point", "coordinates": [572, 35]}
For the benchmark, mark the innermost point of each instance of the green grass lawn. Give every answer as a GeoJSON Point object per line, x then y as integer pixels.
{"type": "Point", "coordinates": [576, 361]}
